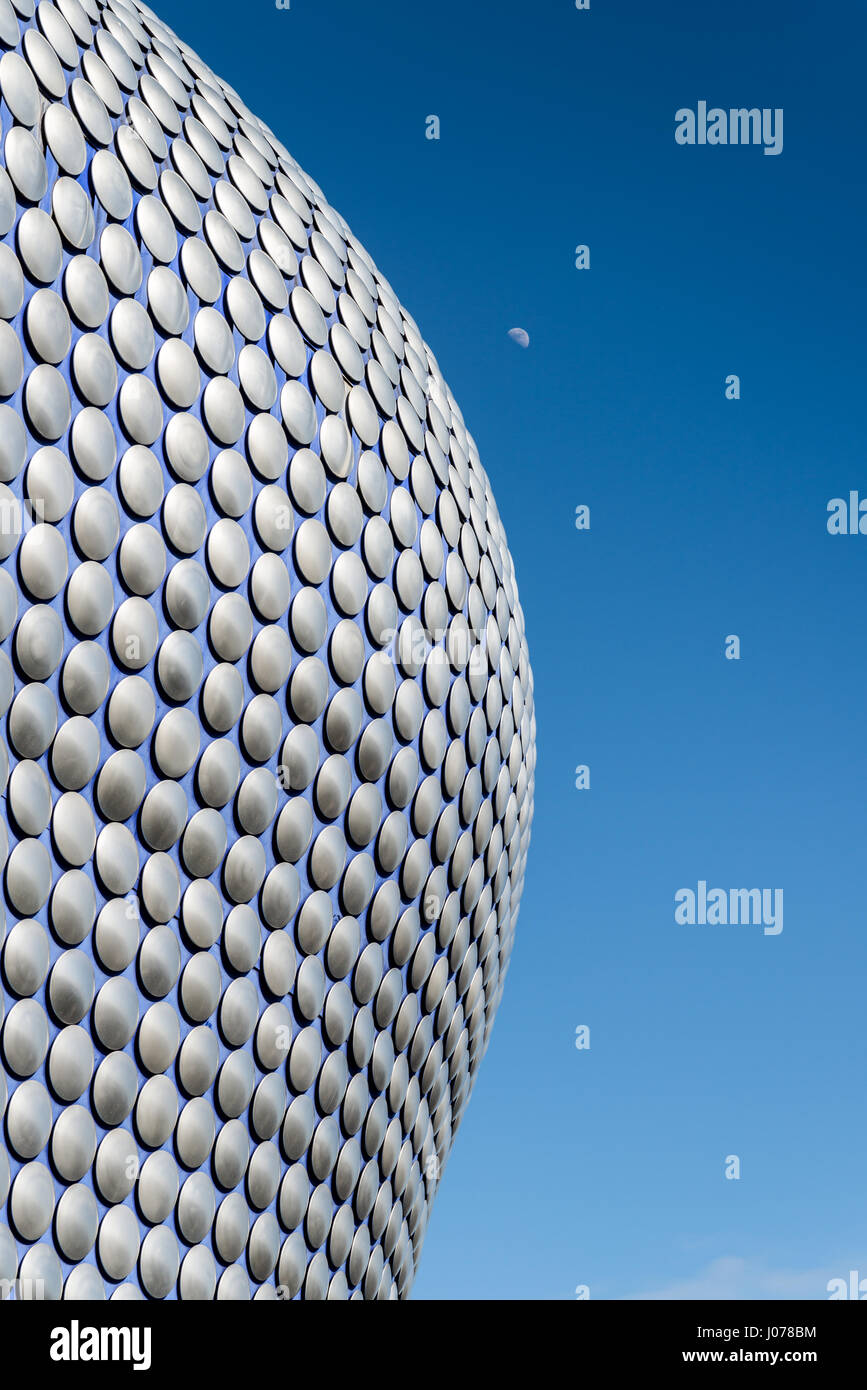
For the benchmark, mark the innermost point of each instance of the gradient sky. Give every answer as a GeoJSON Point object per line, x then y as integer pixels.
{"type": "Point", "coordinates": [708, 517]}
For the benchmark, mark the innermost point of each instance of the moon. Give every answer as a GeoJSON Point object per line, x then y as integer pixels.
{"type": "Point", "coordinates": [520, 336]}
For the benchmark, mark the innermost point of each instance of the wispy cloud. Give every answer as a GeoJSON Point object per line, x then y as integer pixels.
{"type": "Point", "coordinates": [734, 1277]}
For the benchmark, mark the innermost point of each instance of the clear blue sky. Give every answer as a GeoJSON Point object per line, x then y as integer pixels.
{"type": "Point", "coordinates": [708, 517]}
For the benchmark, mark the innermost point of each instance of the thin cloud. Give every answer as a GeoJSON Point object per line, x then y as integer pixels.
{"type": "Point", "coordinates": [734, 1277]}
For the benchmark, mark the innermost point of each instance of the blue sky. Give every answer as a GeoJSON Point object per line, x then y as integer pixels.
{"type": "Point", "coordinates": [605, 1167]}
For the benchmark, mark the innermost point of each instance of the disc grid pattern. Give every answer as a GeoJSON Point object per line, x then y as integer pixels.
{"type": "Point", "coordinates": [268, 753]}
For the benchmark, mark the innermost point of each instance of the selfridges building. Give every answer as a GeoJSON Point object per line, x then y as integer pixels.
{"type": "Point", "coordinates": [268, 721]}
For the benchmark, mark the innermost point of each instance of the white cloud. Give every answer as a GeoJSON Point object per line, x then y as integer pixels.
{"type": "Point", "coordinates": [734, 1277]}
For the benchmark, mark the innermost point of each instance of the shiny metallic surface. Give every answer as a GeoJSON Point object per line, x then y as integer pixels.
{"type": "Point", "coordinates": [268, 747]}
